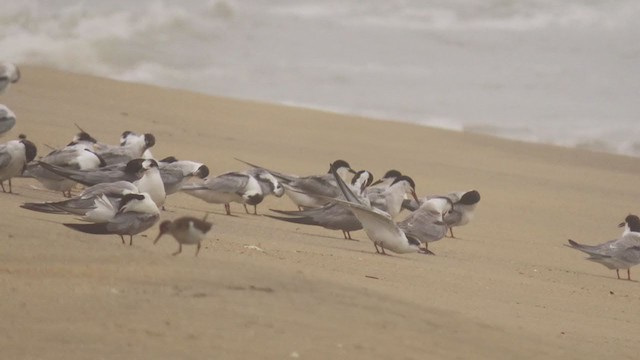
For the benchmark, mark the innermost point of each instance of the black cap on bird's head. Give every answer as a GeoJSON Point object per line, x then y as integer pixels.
{"type": "Point", "coordinates": [470, 198]}
{"type": "Point", "coordinates": [405, 178]}
{"type": "Point", "coordinates": [392, 174]}
{"type": "Point", "coordinates": [30, 149]}
{"type": "Point", "coordinates": [149, 141]}
{"type": "Point", "coordinates": [202, 172]}
{"type": "Point", "coordinates": [134, 166]}
{"type": "Point", "coordinates": [632, 221]}
{"type": "Point", "coordinates": [84, 136]}
{"type": "Point", "coordinates": [169, 159]}
{"type": "Point", "coordinates": [341, 164]}
{"type": "Point", "coordinates": [411, 183]}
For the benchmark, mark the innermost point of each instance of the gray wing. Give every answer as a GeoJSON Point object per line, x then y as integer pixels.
{"type": "Point", "coordinates": [63, 157]}
{"type": "Point", "coordinates": [34, 170]}
{"type": "Point", "coordinates": [631, 255]}
{"type": "Point", "coordinates": [109, 189]}
{"type": "Point", "coordinates": [284, 178]}
{"type": "Point", "coordinates": [172, 178]}
{"type": "Point", "coordinates": [227, 183]}
{"type": "Point", "coordinates": [185, 167]}
{"type": "Point", "coordinates": [91, 177]}
{"type": "Point", "coordinates": [119, 154]}
{"type": "Point", "coordinates": [609, 248]}
{"type": "Point", "coordinates": [5, 158]}
{"type": "Point", "coordinates": [422, 225]}
{"type": "Point", "coordinates": [332, 216]}
{"type": "Point", "coordinates": [315, 186]}
{"type": "Point", "coordinates": [453, 217]}
{"type": "Point", "coordinates": [131, 223]}
{"type": "Point", "coordinates": [378, 200]}
{"type": "Point", "coordinates": [266, 186]}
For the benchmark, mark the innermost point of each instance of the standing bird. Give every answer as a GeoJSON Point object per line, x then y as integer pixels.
{"type": "Point", "coordinates": [186, 230]}
{"type": "Point", "coordinates": [143, 173]}
{"type": "Point", "coordinates": [227, 188]}
{"type": "Point", "coordinates": [332, 216]}
{"type": "Point", "coordinates": [9, 74]}
{"type": "Point", "coordinates": [268, 184]}
{"type": "Point", "coordinates": [377, 224]}
{"type": "Point", "coordinates": [176, 172]}
{"type": "Point", "coordinates": [622, 253]}
{"type": "Point", "coordinates": [78, 156]}
{"type": "Point", "coordinates": [463, 211]}
{"type": "Point", "coordinates": [92, 200]}
{"type": "Point", "coordinates": [7, 119]}
{"type": "Point", "coordinates": [312, 191]}
{"type": "Point", "coordinates": [426, 224]}
{"type": "Point", "coordinates": [135, 214]}
{"type": "Point", "coordinates": [14, 156]}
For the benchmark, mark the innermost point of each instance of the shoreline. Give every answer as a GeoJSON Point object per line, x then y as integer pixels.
{"type": "Point", "coordinates": [430, 122]}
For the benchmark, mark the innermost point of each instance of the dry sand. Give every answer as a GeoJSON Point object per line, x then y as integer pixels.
{"type": "Point", "coordinates": [507, 288]}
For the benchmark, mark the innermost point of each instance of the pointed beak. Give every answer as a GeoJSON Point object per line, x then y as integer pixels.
{"type": "Point", "coordinates": [158, 238]}
{"type": "Point", "coordinates": [376, 182]}
{"type": "Point", "coordinates": [353, 171]}
{"type": "Point", "coordinates": [415, 197]}
{"type": "Point", "coordinates": [622, 224]}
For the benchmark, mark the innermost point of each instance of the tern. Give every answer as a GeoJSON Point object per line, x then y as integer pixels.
{"type": "Point", "coordinates": [88, 203]}
{"type": "Point", "coordinates": [331, 216]}
{"type": "Point", "coordinates": [14, 156]}
{"type": "Point", "coordinates": [78, 156]}
{"type": "Point", "coordinates": [176, 172]}
{"type": "Point", "coordinates": [622, 253]}
{"type": "Point", "coordinates": [143, 173]}
{"type": "Point", "coordinates": [377, 224]}
{"type": "Point", "coordinates": [186, 230]}
{"type": "Point", "coordinates": [133, 148]}
{"type": "Point", "coordinates": [311, 191]}
{"type": "Point", "coordinates": [135, 214]}
{"type": "Point", "coordinates": [463, 211]}
{"type": "Point", "coordinates": [227, 188]}
{"type": "Point", "coordinates": [268, 185]}
{"type": "Point", "coordinates": [426, 224]}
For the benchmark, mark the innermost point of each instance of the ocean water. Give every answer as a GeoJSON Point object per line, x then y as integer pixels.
{"type": "Point", "coordinates": [563, 72]}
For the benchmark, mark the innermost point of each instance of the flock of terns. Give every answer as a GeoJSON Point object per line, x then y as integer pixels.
{"type": "Point", "coordinates": [125, 190]}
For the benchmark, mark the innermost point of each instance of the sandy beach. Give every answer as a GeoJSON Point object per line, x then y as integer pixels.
{"type": "Point", "coordinates": [506, 288]}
